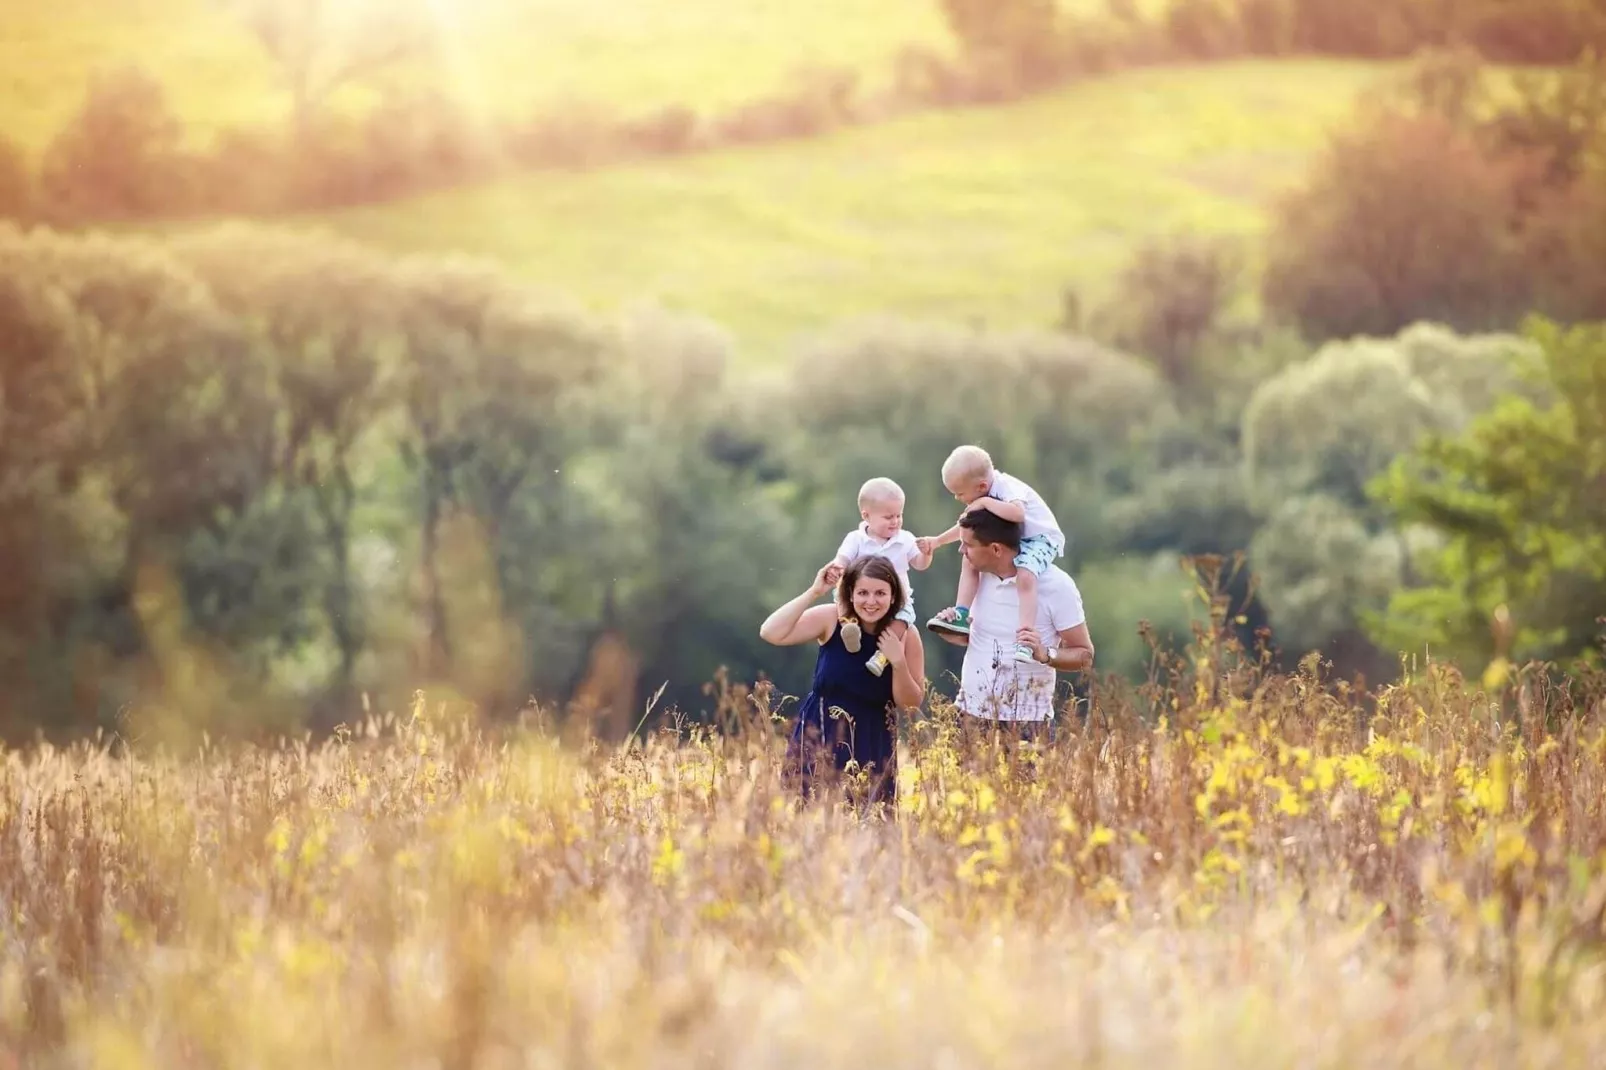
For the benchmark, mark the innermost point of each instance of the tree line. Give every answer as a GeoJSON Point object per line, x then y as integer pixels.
{"type": "Point", "coordinates": [252, 478]}
{"type": "Point", "coordinates": [125, 154]}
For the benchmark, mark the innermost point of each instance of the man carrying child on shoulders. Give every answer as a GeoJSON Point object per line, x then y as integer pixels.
{"type": "Point", "coordinates": [995, 685]}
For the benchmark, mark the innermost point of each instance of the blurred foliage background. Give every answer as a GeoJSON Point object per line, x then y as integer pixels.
{"type": "Point", "coordinates": [515, 350]}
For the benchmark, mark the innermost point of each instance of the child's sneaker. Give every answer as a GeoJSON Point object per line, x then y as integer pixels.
{"type": "Point", "coordinates": [877, 664]}
{"type": "Point", "coordinates": [852, 635]}
{"type": "Point", "coordinates": [960, 625]}
{"type": "Point", "coordinates": [1023, 653]}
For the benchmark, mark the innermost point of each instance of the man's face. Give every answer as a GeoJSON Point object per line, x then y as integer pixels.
{"type": "Point", "coordinates": [983, 557]}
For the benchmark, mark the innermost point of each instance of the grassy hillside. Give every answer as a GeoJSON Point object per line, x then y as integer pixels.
{"type": "Point", "coordinates": [507, 55]}
{"type": "Point", "coordinates": [978, 214]}
{"type": "Point", "coordinates": [983, 213]}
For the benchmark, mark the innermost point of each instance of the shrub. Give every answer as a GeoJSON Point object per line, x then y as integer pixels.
{"type": "Point", "coordinates": [668, 131]}
{"type": "Point", "coordinates": [1206, 29]}
{"type": "Point", "coordinates": [819, 99]}
{"type": "Point", "coordinates": [1536, 31]}
{"type": "Point", "coordinates": [16, 183]}
{"type": "Point", "coordinates": [1405, 218]}
{"type": "Point", "coordinates": [245, 172]}
{"type": "Point", "coordinates": [1019, 41]}
{"type": "Point", "coordinates": [1561, 117]}
{"type": "Point", "coordinates": [120, 156]}
{"type": "Point", "coordinates": [421, 141]}
{"type": "Point", "coordinates": [1568, 236]}
{"type": "Point", "coordinates": [565, 135]}
{"type": "Point", "coordinates": [1169, 299]}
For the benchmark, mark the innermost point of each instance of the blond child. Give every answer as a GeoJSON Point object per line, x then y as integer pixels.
{"type": "Point", "coordinates": [880, 533]}
{"type": "Point", "coordinates": [970, 477]}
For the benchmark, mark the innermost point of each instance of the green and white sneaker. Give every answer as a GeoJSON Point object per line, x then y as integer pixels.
{"type": "Point", "coordinates": [960, 625]}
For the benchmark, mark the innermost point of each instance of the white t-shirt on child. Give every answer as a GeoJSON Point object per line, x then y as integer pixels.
{"type": "Point", "coordinates": [899, 550]}
{"type": "Point", "coordinates": [1039, 517]}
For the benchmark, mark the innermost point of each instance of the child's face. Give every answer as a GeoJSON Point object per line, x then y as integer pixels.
{"type": "Point", "coordinates": [883, 519]}
{"type": "Point", "coordinates": [967, 491]}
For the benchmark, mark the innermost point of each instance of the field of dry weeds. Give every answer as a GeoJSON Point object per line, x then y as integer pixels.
{"type": "Point", "coordinates": [1229, 868]}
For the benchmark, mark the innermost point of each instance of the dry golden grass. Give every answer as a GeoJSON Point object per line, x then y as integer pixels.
{"type": "Point", "coordinates": [1263, 875]}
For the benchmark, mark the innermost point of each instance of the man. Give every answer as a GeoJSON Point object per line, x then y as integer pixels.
{"type": "Point", "coordinates": [994, 687]}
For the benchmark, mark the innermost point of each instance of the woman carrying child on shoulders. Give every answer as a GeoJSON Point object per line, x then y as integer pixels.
{"type": "Point", "coordinates": [851, 709]}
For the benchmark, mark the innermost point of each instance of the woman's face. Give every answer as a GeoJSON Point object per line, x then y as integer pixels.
{"type": "Point", "coordinates": [872, 599]}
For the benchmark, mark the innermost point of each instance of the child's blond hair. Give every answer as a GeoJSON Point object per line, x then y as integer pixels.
{"type": "Point", "coordinates": [966, 464]}
{"type": "Point", "coordinates": [879, 491]}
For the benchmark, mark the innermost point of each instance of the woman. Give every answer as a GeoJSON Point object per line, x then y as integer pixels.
{"type": "Point", "coordinates": [850, 708]}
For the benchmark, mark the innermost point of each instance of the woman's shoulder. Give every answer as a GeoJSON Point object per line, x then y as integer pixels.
{"type": "Point", "coordinates": [824, 619]}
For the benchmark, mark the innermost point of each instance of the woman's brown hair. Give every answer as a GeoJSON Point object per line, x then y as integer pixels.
{"type": "Point", "coordinates": [874, 567]}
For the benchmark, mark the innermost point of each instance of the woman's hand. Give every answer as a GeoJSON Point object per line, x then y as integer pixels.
{"type": "Point", "coordinates": [796, 622]}
{"type": "Point", "coordinates": [906, 658]}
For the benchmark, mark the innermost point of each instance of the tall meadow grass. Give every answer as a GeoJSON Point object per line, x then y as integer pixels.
{"type": "Point", "coordinates": [1227, 867]}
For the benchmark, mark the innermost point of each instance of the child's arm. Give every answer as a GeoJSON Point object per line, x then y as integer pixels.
{"type": "Point", "coordinates": [1015, 511]}
{"type": "Point", "coordinates": [924, 551]}
{"type": "Point", "coordinates": [929, 544]}
{"type": "Point", "coordinates": [845, 552]}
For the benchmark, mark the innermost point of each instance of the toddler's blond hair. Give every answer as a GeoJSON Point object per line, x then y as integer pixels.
{"type": "Point", "coordinates": [966, 464]}
{"type": "Point", "coordinates": [879, 491]}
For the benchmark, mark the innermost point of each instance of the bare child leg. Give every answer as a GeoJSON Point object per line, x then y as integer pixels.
{"type": "Point", "coordinates": [968, 582]}
{"type": "Point", "coordinates": [957, 619]}
{"type": "Point", "coordinates": [1026, 588]}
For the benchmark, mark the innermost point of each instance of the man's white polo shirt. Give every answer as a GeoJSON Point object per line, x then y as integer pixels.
{"type": "Point", "coordinates": [993, 684]}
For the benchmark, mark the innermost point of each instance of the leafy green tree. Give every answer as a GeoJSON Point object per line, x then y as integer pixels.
{"type": "Point", "coordinates": [125, 418]}
{"type": "Point", "coordinates": [318, 324]}
{"type": "Point", "coordinates": [496, 390]}
{"type": "Point", "coordinates": [1516, 499]}
{"type": "Point", "coordinates": [687, 546]}
{"type": "Point", "coordinates": [1316, 435]}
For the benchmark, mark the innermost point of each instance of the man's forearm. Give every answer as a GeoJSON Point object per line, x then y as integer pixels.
{"type": "Point", "coordinates": [1068, 659]}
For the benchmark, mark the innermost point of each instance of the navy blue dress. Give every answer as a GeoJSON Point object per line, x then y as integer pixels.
{"type": "Point", "coordinates": [848, 712]}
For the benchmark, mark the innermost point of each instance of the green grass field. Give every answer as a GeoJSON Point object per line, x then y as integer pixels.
{"type": "Point", "coordinates": [985, 213]}
{"type": "Point", "coordinates": [963, 215]}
